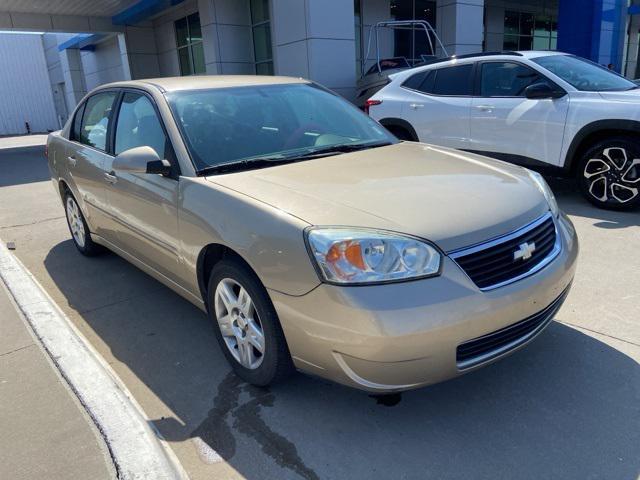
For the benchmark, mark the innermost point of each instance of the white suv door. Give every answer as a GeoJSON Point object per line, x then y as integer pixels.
{"type": "Point", "coordinates": [506, 123]}
{"type": "Point", "coordinates": [437, 104]}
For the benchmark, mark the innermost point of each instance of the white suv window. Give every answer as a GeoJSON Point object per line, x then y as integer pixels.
{"type": "Point", "coordinates": [506, 79]}
{"type": "Point", "coordinates": [448, 81]}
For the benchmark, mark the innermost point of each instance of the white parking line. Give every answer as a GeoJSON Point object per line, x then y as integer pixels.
{"type": "Point", "coordinates": [134, 446]}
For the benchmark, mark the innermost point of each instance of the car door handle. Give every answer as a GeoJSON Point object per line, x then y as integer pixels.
{"type": "Point", "coordinates": [72, 160]}
{"type": "Point", "coordinates": [485, 108]}
{"type": "Point", "coordinates": [111, 178]}
{"type": "Point", "coordinates": [416, 105]}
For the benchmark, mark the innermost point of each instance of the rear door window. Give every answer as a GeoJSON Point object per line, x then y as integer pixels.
{"type": "Point", "coordinates": [95, 121]}
{"type": "Point", "coordinates": [453, 81]}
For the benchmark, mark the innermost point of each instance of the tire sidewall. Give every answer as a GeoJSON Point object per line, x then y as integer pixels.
{"type": "Point", "coordinates": [596, 151]}
{"type": "Point", "coordinates": [87, 248]}
{"type": "Point", "coordinates": [268, 369]}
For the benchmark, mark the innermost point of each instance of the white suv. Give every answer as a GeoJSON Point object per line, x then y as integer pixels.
{"type": "Point", "coordinates": [544, 110]}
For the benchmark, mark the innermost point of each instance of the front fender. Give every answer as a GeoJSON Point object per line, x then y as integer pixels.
{"type": "Point", "coordinates": [268, 239]}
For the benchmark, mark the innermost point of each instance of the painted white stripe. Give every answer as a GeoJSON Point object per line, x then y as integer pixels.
{"type": "Point", "coordinates": [133, 444]}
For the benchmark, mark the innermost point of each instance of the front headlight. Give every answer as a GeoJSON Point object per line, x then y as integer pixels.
{"type": "Point", "coordinates": [362, 256]}
{"type": "Point", "coordinates": [543, 186]}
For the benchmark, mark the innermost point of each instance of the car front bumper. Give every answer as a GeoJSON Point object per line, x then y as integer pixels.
{"type": "Point", "coordinates": [385, 338]}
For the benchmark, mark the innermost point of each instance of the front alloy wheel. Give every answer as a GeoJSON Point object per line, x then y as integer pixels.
{"type": "Point", "coordinates": [239, 323]}
{"type": "Point", "coordinates": [610, 174]}
{"type": "Point", "coordinates": [246, 324]}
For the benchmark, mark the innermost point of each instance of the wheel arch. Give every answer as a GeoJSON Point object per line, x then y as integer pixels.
{"type": "Point", "coordinates": [595, 132]}
{"type": "Point", "coordinates": [209, 256]}
{"type": "Point", "coordinates": [390, 123]}
{"type": "Point", "coordinates": [63, 187]}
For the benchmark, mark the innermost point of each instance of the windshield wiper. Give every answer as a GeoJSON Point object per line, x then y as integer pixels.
{"type": "Point", "coordinates": [342, 148]}
{"type": "Point", "coordinates": [246, 164]}
{"type": "Point", "coordinates": [280, 159]}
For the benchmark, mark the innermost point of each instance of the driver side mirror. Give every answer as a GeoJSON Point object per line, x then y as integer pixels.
{"type": "Point", "coordinates": [542, 90]}
{"type": "Point", "coordinates": [141, 160]}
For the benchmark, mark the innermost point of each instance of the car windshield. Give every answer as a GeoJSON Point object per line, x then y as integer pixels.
{"type": "Point", "coordinates": [584, 74]}
{"type": "Point", "coordinates": [225, 125]}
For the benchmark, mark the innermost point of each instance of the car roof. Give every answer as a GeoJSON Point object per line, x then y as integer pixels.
{"type": "Point", "coordinates": [539, 53]}
{"type": "Point", "coordinates": [471, 57]}
{"type": "Point", "coordinates": [200, 82]}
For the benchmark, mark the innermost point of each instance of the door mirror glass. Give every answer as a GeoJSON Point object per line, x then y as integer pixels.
{"type": "Point", "coordinates": [141, 160]}
{"type": "Point", "coordinates": [541, 90]}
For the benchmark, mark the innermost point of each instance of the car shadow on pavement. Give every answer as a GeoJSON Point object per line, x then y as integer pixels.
{"type": "Point", "coordinates": [23, 165]}
{"type": "Point", "coordinates": [566, 406]}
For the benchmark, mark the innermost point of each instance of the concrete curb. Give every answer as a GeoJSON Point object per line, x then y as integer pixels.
{"type": "Point", "coordinates": [133, 444]}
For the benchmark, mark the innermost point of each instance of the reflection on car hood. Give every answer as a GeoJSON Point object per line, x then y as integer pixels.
{"type": "Point", "coordinates": [627, 96]}
{"type": "Point", "coordinates": [452, 198]}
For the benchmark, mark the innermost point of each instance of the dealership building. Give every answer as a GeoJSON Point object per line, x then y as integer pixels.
{"type": "Point", "coordinates": [83, 44]}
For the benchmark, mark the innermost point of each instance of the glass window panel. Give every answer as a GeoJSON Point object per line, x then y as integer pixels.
{"type": "Point", "coordinates": [138, 125]}
{"type": "Point", "coordinates": [280, 119]}
{"type": "Point", "coordinates": [510, 42]}
{"type": "Point", "coordinates": [75, 131]}
{"type": "Point", "coordinates": [259, 11]}
{"type": "Point", "coordinates": [526, 24]}
{"type": "Point", "coordinates": [185, 63]}
{"type": "Point", "coordinates": [526, 43]}
{"type": "Point", "coordinates": [181, 32]}
{"type": "Point", "coordinates": [195, 32]}
{"type": "Point", "coordinates": [95, 120]}
{"type": "Point", "coordinates": [506, 79]}
{"type": "Point", "coordinates": [426, 10]}
{"type": "Point", "coordinates": [265, 68]}
{"type": "Point", "coordinates": [540, 43]}
{"type": "Point", "coordinates": [198, 58]}
{"type": "Point", "coordinates": [453, 80]}
{"type": "Point", "coordinates": [401, 9]}
{"type": "Point", "coordinates": [511, 23]}
{"type": "Point", "coordinates": [542, 24]}
{"type": "Point", "coordinates": [262, 42]}
{"type": "Point", "coordinates": [415, 80]}
{"type": "Point", "coordinates": [554, 44]}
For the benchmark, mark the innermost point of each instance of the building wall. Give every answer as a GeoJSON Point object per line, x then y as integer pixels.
{"type": "Point", "coordinates": [25, 95]}
{"type": "Point", "coordinates": [315, 39]}
{"type": "Point", "coordinates": [56, 76]}
{"type": "Point", "coordinates": [103, 65]}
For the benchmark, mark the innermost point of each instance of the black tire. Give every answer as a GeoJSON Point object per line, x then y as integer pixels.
{"type": "Point", "coordinates": [401, 133]}
{"type": "Point", "coordinates": [606, 174]}
{"type": "Point", "coordinates": [88, 248]}
{"type": "Point", "coordinates": [276, 363]}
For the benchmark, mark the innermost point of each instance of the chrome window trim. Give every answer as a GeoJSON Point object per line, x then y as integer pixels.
{"type": "Point", "coordinates": [555, 251]}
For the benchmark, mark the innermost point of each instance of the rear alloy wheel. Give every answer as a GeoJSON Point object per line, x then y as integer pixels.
{"type": "Point", "coordinates": [609, 174]}
{"type": "Point", "coordinates": [79, 229]}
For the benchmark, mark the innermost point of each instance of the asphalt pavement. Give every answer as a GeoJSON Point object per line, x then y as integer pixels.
{"type": "Point", "coordinates": [567, 406]}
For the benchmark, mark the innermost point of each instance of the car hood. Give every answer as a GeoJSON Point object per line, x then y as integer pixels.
{"type": "Point", "coordinates": [452, 198]}
{"type": "Point", "coordinates": [627, 96]}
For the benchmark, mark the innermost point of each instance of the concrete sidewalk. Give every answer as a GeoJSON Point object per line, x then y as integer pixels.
{"type": "Point", "coordinates": [45, 431]}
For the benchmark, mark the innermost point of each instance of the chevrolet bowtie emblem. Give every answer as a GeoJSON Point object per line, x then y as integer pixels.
{"type": "Point", "coordinates": [525, 251]}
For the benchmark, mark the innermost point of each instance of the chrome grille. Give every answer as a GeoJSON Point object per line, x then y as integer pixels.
{"type": "Point", "coordinates": [511, 257]}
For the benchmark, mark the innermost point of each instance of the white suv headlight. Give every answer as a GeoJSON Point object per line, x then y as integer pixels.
{"type": "Point", "coordinates": [543, 186]}
{"type": "Point", "coordinates": [362, 256]}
